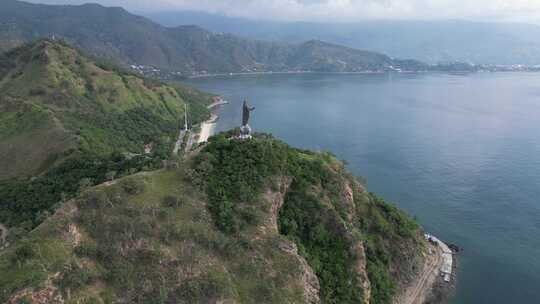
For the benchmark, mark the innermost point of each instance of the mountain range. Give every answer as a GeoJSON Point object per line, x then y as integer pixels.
{"type": "Point", "coordinates": [430, 41]}
{"type": "Point", "coordinates": [186, 50]}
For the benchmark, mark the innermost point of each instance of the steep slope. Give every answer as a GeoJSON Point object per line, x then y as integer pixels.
{"type": "Point", "coordinates": [325, 57]}
{"type": "Point", "coordinates": [239, 222]}
{"type": "Point", "coordinates": [68, 122]}
{"type": "Point", "coordinates": [130, 39]}
{"type": "Point", "coordinates": [55, 100]}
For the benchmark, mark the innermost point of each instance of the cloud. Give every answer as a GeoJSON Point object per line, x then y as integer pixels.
{"type": "Point", "coordinates": [341, 10]}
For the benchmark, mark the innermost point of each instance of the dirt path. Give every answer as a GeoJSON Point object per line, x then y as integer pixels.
{"type": "Point", "coordinates": [419, 289]}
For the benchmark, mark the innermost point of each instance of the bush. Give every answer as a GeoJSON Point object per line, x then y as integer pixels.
{"type": "Point", "coordinates": [76, 276]}
{"type": "Point", "coordinates": [24, 252]}
{"type": "Point", "coordinates": [171, 201]}
{"type": "Point", "coordinates": [133, 186]}
{"type": "Point", "coordinates": [233, 174]}
{"type": "Point", "coordinates": [86, 249]}
{"type": "Point", "coordinates": [37, 92]}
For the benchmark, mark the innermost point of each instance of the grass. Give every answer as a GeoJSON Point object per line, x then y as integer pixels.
{"type": "Point", "coordinates": [202, 232]}
{"type": "Point", "coordinates": [100, 108]}
{"type": "Point", "coordinates": [141, 246]}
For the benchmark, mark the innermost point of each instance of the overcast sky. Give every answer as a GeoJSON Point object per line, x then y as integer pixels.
{"type": "Point", "coordinates": [341, 10]}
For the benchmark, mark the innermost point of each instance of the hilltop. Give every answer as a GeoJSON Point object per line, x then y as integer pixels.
{"type": "Point", "coordinates": [189, 50]}
{"type": "Point", "coordinates": [236, 222]}
{"type": "Point", "coordinates": [65, 116]}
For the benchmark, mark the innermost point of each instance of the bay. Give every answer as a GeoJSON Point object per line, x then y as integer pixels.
{"type": "Point", "coordinates": [459, 152]}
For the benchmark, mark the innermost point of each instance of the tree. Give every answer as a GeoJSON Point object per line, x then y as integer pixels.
{"type": "Point", "coordinates": [85, 183]}
{"type": "Point", "coordinates": [110, 175]}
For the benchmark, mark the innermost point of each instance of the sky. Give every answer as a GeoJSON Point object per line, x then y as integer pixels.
{"type": "Point", "coordinates": [340, 10]}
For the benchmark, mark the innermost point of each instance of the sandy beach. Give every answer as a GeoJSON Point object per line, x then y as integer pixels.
{"type": "Point", "coordinates": [207, 129]}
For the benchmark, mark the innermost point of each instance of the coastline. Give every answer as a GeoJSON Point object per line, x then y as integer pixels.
{"type": "Point", "coordinates": [458, 72]}
{"type": "Point", "coordinates": [208, 127]}
{"type": "Point", "coordinates": [436, 278]}
{"type": "Point", "coordinates": [301, 72]}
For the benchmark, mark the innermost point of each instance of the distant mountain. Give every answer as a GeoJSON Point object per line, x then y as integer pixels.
{"type": "Point", "coordinates": [134, 40]}
{"type": "Point", "coordinates": [56, 103]}
{"type": "Point", "coordinates": [428, 41]}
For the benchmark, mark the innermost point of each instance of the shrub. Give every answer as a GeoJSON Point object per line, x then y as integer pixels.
{"type": "Point", "coordinates": [133, 186]}
{"type": "Point", "coordinates": [171, 201]}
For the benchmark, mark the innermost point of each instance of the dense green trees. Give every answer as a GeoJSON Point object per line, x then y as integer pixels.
{"type": "Point", "coordinates": [26, 203]}
{"type": "Point", "coordinates": [235, 173]}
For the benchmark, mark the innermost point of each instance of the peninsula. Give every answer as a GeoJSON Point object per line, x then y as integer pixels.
{"type": "Point", "coordinates": [110, 216]}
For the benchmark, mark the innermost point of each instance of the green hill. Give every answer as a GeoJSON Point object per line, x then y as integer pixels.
{"type": "Point", "coordinates": [61, 110]}
{"type": "Point", "coordinates": [55, 100]}
{"type": "Point", "coordinates": [133, 40]}
{"type": "Point", "coordinates": [238, 222]}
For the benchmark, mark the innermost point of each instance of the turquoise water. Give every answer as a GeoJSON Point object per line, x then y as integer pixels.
{"type": "Point", "coordinates": [460, 152]}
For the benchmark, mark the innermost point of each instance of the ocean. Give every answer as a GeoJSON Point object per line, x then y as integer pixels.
{"type": "Point", "coordinates": [461, 153]}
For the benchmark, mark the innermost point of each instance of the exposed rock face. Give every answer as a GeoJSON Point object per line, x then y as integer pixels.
{"type": "Point", "coordinates": [277, 198]}
{"type": "Point", "coordinates": [73, 235]}
{"type": "Point", "coordinates": [348, 198]}
{"type": "Point", "coordinates": [309, 278]}
{"type": "Point", "coordinates": [361, 270]}
{"type": "Point", "coordinates": [310, 282]}
{"type": "Point", "coordinates": [48, 294]}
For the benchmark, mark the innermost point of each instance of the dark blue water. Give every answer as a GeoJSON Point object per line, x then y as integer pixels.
{"type": "Point", "coordinates": [460, 152]}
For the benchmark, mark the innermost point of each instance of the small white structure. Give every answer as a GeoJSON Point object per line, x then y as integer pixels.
{"type": "Point", "coordinates": [446, 268]}
{"type": "Point", "coordinates": [245, 132]}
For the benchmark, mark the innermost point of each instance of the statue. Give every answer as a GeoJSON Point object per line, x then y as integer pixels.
{"type": "Point", "coordinates": [245, 129]}
{"type": "Point", "coordinates": [245, 113]}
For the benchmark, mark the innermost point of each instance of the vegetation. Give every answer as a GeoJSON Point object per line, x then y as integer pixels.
{"type": "Point", "coordinates": [148, 235]}
{"type": "Point", "coordinates": [235, 173]}
{"type": "Point", "coordinates": [68, 122]}
{"type": "Point", "coordinates": [113, 33]}
{"type": "Point", "coordinates": [205, 231]}
{"type": "Point", "coordinates": [147, 239]}
{"type": "Point", "coordinates": [27, 203]}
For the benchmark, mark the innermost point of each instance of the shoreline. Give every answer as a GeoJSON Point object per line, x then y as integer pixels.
{"type": "Point", "coordinates": [208, 127]}
{"type": "Point", "coordinates": [352, 73]}
{"type": "Point", "coordinates": [436, 278]}
{"type": "Point", "coordinates": [302, 72]}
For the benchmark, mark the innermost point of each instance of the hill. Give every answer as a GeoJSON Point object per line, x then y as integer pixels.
{"type": "Point", "coordinates": [237, 222]}
{"type": "Point", "coordinates": [63, 114]}
{"type": "Point", "coordinates": [430, 41]}
{"type": "Point", "coordinates": [189, 50]}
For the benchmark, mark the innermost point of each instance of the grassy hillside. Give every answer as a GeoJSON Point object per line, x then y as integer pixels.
{"type": "Point", "coordinates": [60, 109]}
{"type": "Point", "coordinates": [239, 222]}
{"type": "Point", "coordinates": [49, 90]}
{"type": "Point", "coordinates": [129, 39]}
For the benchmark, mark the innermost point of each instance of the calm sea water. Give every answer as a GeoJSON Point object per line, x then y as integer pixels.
{"type": "Point", "coordinates": [460, 152]}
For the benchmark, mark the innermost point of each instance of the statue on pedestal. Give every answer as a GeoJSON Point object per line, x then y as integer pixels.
{"type": "Point", "coordinates": [245, 129]}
